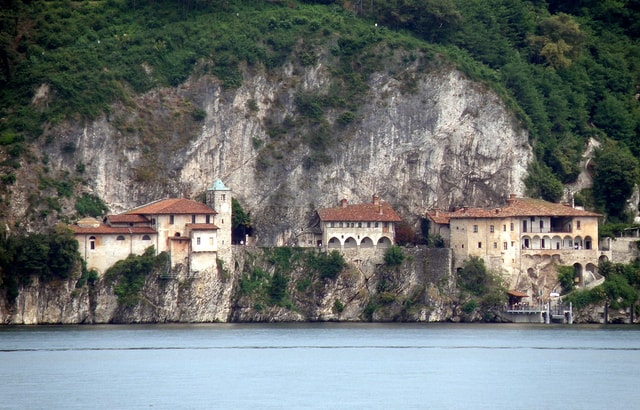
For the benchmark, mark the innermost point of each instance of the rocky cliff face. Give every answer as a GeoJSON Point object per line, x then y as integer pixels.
{"type": "Point", "coordinates": [419, 290]}
{"type": "Point", "coordinates": [422, 137]}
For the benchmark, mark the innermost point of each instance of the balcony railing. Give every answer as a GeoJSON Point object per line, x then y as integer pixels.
{"type": "Point", "coordinates": [546, 230]}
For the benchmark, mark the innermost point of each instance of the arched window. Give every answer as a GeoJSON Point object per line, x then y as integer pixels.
{"type": "Point", "coordinates": [120, 238]}
{"type": "Point", "coordinates": [146, 238]}
{"type": "Point", "coordinates": [92, 242]}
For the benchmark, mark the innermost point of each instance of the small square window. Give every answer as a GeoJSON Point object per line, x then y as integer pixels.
{"type": "Point", "coordinates": [479, 245]}
{"type": "Point", "coordinates": [475, 228]}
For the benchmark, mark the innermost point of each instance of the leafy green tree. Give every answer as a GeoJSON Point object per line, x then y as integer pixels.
{"type": "Point", "coordinates": [566, 275]}
{"type": "Point", "coordinates": [612, 115]}
{"type": "Point", "coordinates": [559, 40]}
{"type": "Point", "coordinates": [91, 205]}
{"type": "Point", "coordinates": [393, 256]}
{"type": "Point", "coordinates": [241, 221]}
{"type": "Point", "coordinates": [542, 183]}
{"type": "Point", "coordinates": [278, 287]}
{"type": "Point", "coordinates": [616, 173]}
{"type": "Point", "coordinates": [473, 276]}
{"type": "Point", "coordinates": [63, 252]}
{"type": "Point", "coordinates": [327, 265]}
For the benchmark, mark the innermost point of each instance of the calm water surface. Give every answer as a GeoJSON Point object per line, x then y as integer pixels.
{"type": "Point", "coordinates": [322, 366]}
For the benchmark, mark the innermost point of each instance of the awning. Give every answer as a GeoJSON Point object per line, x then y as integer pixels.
{"type": "Point", "coordinates": [517, 294]}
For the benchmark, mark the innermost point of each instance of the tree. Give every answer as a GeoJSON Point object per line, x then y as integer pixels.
{"type": "Point", "coordinates": [393, 256]}
{"type": "Point", "coordinates": [566, 275]}
{"type": "Point", "coordinates": [559, 40]}
{"type": "Point", "coordinates": [616, 173]}
{"type": "Point", "coordinates": [473, 276]}
{"type": "Point", "coordinates": [241, 222]}
{"type": "Point", "coordinates": [542, 183]}
{"type": "Point", "coordinates": [405, 233]}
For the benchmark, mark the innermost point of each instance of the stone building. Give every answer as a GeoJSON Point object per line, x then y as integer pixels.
{"type": "Point", "coordinates": [357, 229]}
{"type": "Point", "coordinates": [193, 233]}
{"type": "Point", "coordinates": [523, 237]}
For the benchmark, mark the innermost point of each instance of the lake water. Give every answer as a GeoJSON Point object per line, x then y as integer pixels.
{"type": "Point", "coordinates": [321, 366]}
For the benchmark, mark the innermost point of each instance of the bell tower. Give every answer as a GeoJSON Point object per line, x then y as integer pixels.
{"type": "Point", "coordinates": [218, 197]}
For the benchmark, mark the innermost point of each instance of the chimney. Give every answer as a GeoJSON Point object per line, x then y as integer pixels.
{"type": "Point", "coordinates": [376, 199]}
{"type": "Point", "coordinates": [436, 211]}
{"type": "Point", "coordinates": [512, 199]}
{"type": "Point", "coordinates": [343, 203]}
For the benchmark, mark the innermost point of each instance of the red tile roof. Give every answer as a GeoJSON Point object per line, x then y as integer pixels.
{"type": "Point", "coordinates": [173, 206]}
{"type": "Point", "coordinates": [370, 212]}
{"type": "Point", "coordinates": [127, 218]}
{"type": "Point", "coordinates": [103, 229]}
{"type": "Point", "coordinates": [516, 207]}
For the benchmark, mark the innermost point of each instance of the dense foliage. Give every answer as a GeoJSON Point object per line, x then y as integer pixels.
{"type": "Point", "coordinates": [288, 276]}
{"type": "Point", "coordinates": [569, 70]}
{"type": "Point", "coordinates": [620, 290]}
{"type": "Point", "coordinates": [240, 222]}
{"type": "Point", "coordinates": [49, 256]}
{"type": "Point", "coordinates": [130, 274]}
{"type": "Point", "coordinates": [393, 256]}
{"type": "Point", "coordinates": [479, 289]}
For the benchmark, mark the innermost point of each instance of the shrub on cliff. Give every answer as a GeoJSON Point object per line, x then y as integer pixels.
{"type": "Point", "coordinates": [393, 256]}
{"type": "Point", "coordinates": [130, 274]}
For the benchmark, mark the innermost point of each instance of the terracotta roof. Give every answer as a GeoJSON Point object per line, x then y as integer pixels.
{"type": "Point", "coordinates": [370, 212]}
{"type": "Point", "coordinates": [104, 229]}
{"type": "Point", "coordinates": [173, 206]}
{"type": "Point", "coordinates": [202, 227]}
{"type": "Point", "coordinates": [517, 294]}
{"type": "Point", "coordinates": [127, 218]}
{"type": "Point", "coordinates": [516, 207]}
{"type": "Point", "coordinates": [439, 217]}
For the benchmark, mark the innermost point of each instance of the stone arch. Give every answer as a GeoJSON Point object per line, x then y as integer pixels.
{"type": "Point", "coordinates": [567, 242]}
{"type": "Point", "coordinates": [366, 242]}
{"type": "Point", "coordinates": [588, 243]}
{"type": "Point", "coordinates": [603, 258]}
{"type": "Point", "coordinates": [526, 242]}
{"type": "Point", "coordinates": [577, 242]}
{"type": "Point", "coordinates": [546, 242]}
{"type": "Point", "coordinates": [334, 243]}
{"type": "Point", "coordinates": [556, 242]}
{"type": "Point", "coordinates": [384, 242]}
{"type": "Point", "coordinates": [350, 242]}
{"type": "Point", "coordinates": [578, 274]}
{"type": "Point", "coordinates": [536, 242]}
